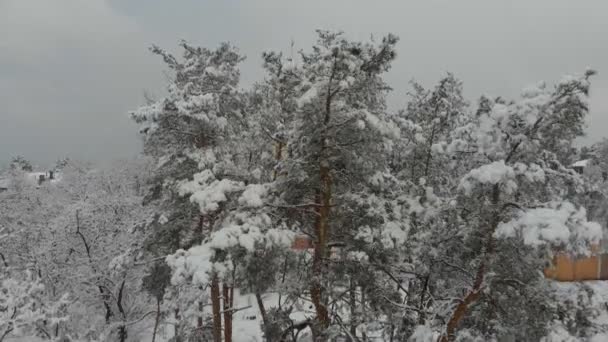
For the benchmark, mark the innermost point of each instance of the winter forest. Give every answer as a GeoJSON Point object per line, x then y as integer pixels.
{"type": "Point", "coordinates": [302, 209]}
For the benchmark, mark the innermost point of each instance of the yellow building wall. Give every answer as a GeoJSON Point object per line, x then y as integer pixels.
{"type": "Point", "coordinates": [566, 267]}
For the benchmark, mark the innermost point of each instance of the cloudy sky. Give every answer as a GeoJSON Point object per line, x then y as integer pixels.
{"type": "Point", "coordinates": [71, 69]}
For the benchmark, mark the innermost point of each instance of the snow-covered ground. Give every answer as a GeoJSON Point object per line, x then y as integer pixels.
{"type": "Point", "coordinates": [247, 320]}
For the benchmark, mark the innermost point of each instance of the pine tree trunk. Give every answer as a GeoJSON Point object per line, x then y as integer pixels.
{"type": "Point", "coordinates": [320, 250]}
{"type": "Point", "coordinates": [475, 292]}
{"type": "Point", "coordinates": [463, 306]}
{"type": "Point", "coordinates": [216, 309]}
{"type": "Point", "coordinates": [363, 308]}
{"type": "Point", "coordinates": [323, 201]}
{"type": "Point", "coordinates": [227, 294]}
{"type": "Point", "coordinates": [278, 156]}
{"type": "Point", "coordinates": [262, 308]}
{"type": "Point", "coordinates": [353, 309]}
{"type": "Point", "coordinates": [199, 320]}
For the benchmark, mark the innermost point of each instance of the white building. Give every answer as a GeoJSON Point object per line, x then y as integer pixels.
{"type": "Point", "coordinates": [5, 184]}
{"type": "Point", "coordinates": [30, 178]}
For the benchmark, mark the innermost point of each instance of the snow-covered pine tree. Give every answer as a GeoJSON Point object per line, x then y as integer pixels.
{"type": "Point", "coordinates": [272, 107]}
{"type": "Point", "coordinates": [432, 121]}
{"type": "Point", "coordinates": [187, 132]}
{"type": "Point", "coordinates": [178, 128]}
{"type": "Point", "coordinates": [507, 211]}
{"type": "Point", "coordinates": [230, 160]}
{"type": "Point", "coordinates": [246, 232]}
{"type": "Point", "coordinates": [335, 155]}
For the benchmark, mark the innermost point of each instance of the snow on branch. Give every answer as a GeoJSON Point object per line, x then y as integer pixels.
{"type": "Point", "coordinates": [560, 224]}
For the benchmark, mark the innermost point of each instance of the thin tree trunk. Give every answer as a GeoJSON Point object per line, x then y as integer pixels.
{"type": "Point", "coordinates": [323, 200]}
{"type": "Point", "coordinates": [199, 319]}
{"type": "Point", "coordinates": [320, 248]}
{"type": "Point", "coordinates": [421, 306]}
{"type": "Point", "coordinates": [263, 313]}
{"type": "Point", "coordinates": [427, 162]}
{"type": "Point", "coordinates": [106, 305]}
{"type": "Point", "coordinates": [156, 320]}
{"type": "Point", "coordinates": [227, 294]}
{"type": "Point", "coordinates": [200, 228]}
{"type": "Point", "coordinates": [353, 309]}
{"type": "Point", "coordinates": [104, 296]}
{"type": "Point", "coordinates": [176, 326]}
{"type": "Point", "coordinates": [6, 332]}
{"type": "Point", "coordinates": [3, 260]}
{"type": "Point", "coordinates": [216, 309]}
{"type": "Point", "coordinates": [278, 156]}
{"type": "Point", "coordinates": [122, 330]}
{"type": "Point", "coordinates": [363, 308]}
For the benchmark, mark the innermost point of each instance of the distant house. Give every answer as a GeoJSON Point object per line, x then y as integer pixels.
{"type": "Point", "coordinates": [30, 178]}
{"type": "Point", "coordinates": [38, 178]}
{"type": "Point", "coordinates": [590, 167]}
{"type": "Point", "coordinates": [5, 184]}
{"type": "Point", "coordinates": [581, 165]}
{"type": "Point", "coordinates": [305, 243]}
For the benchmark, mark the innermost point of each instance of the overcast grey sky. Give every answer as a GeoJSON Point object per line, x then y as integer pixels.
{"type": "Point", "coordinates": [71, 69]}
